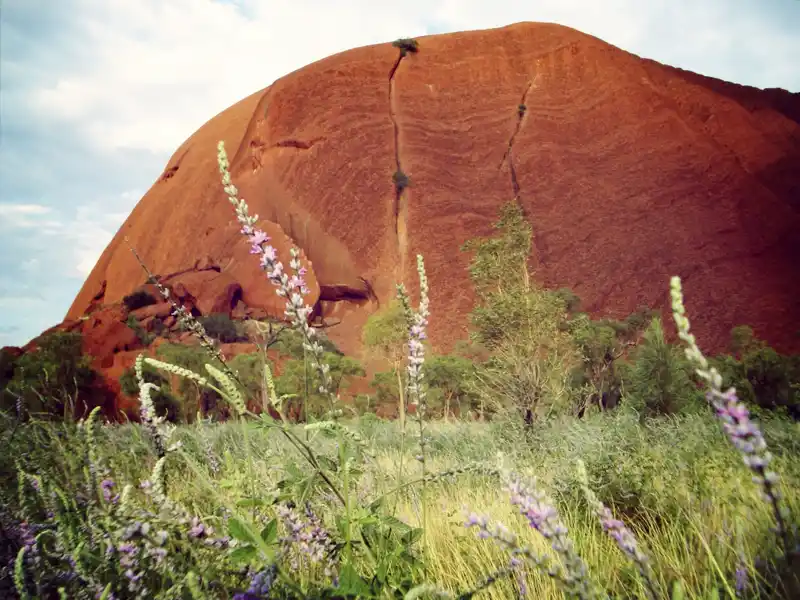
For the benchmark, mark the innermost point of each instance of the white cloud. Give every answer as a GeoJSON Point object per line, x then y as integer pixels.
{"type": "Point", "coordinates": [76, 236]}
{"type": "Point", "coordinates": [21, 216]}
{"type": "Point", "coordinates": [90, 230]}
{"type": "Point", "coordinates": [11, 210]}
{"type": "Point", "coordinates": [161, 69]}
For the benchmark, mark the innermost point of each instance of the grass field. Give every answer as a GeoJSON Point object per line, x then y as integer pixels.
{"type": "Point", "coordinates": [676, 481]}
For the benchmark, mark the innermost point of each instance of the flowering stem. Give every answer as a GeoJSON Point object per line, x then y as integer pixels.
{"type": "Point", "coordinates": [292, 289]}
{"type": "Point", "coordinates": [743, 433]}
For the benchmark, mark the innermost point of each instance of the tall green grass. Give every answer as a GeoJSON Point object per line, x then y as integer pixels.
{"type": "Point", "coordinates": [677, 482]}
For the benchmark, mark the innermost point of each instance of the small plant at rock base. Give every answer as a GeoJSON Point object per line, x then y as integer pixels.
{"type": "Point", "coordinates": [144, 336]}
{"type": "Point", "coordinates": [221, 327]}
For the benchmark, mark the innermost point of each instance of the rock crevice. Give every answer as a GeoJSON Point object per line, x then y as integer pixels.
{"type": "Point", "coordinates": [508, 156]}
{"type": "Point", "coordinates": [400, 178]}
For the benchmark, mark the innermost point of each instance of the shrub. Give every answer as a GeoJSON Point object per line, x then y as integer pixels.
{"type": "Point", "coordinates": [7, 363]}
{"type": "Point", "coordinates": [290, 343]}
{"type": "Point", "coordinates": [658, 380]}
{"type": "Point", "coordinates": [164, 401]}
{"type": "Point", "coordinates": [762, 377]}
{"type": "Point", "coordinates": [55, 378]}
{"type": "Point", "coordinates": [523, 325]}
{"type": "Point", "coordinates": [384, 335]}
{"type": "Point", "coordinates": [406, 45]}
{"type": "Point", "coordinates": [300, 378]}
{"type": "Point", "coordinates": [193, 398]}
{"type": "Point", "coordinates": [138, 299]}
{"type": "Point", "coordinates": [221, 327]}
{"type": "Point", "coordinates": [144, 336]}
{"type": "Point", "coordinates": [452, 381]}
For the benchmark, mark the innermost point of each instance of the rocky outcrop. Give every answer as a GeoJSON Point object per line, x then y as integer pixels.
{"type": "Point", "coordinates": [628, 170]}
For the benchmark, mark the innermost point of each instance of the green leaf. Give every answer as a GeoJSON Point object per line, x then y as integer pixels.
{"type": "Point", "coordinates": [239, 530]}
{"type": "Point", "coordinates": [270, 532]}
{"type": "Point", "coordinates": [341, 525]}
{"type": "Point", "coordinates": [395, 524]}
{"type": "Point", "coordinates": [352, 584]}
{"type": "Point", "coordinates": [677, 591]}
{"type": "Point", "coordinates": [412, 536]}
{"type": "Point", "coordinates": [243, 554]}
{"type": "Point", "coordinates": [380, 573]}
{"type": "Point", "coordinates": [250, 502]}
{"type": "Point", "coordinates": [106, 592]}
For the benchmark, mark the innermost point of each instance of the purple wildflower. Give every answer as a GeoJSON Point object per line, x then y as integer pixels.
{"type": "Point", "coordinates": [538, 509]}
{"type": "Point", "coordinates": [503, 537]}
{"type": "Point", "coordinates": [262, 582]}
{"type": "Point", "coordinates": [257, 239]}
{"type": "Point", "coordinates": [742, 577]}
{"type": "Point", "coordinates": [26, 535]}
{"type": "Point", "coordinates": [618, 532]}
{"type": "Point", "coordinates": [198, 530]}
{"type": "Point", "coordinates": [107, 485]}
{"type": "Point", "coordinates": [308, 537]}
{"type": "Point", "coordinates": [742, 432]}
{"type": "Point", "coordinates": [296, 309]}
{"type": "Point", "coordinates": [129, 552]}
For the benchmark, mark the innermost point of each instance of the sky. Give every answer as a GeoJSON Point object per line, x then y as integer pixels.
{"type": "Point", "coordinates": [96, 95]}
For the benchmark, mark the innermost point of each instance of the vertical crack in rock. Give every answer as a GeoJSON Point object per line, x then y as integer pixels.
{"type": "Point", "coordinates": [508, 156]}
{"type": "Point", "coordinates": [400, 200]}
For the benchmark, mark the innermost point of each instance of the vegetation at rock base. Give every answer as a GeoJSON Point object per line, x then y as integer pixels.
{"type": "Point", "coordinates": [54, 379]}
{"type": "Point", "coordinates": [670, 491]}
{"type": "Point", "coordinates": [220, 327]}
{"type": "Point", "coordinates": [138, 299]}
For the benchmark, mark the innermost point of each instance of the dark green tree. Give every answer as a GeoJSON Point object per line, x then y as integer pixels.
{"type": "Point", "coordinates": [659, 380]}
{"type": "Point", "coordinates": [56, 378]}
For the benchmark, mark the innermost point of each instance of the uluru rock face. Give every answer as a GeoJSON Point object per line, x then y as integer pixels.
{"type": "Point", "coordinates": [628, 170]}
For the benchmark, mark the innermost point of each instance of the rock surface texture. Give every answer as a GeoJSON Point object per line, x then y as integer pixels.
{"type": "Point", "coordinates": [629, 171]}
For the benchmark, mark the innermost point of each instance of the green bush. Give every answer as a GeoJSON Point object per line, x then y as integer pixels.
{"type": "Point", "coordinates": [659, 378]}
{"type": "Point", "coordinates": [221, 327]}
{"type": "Point", "coordinates": [762, 377]}
{"type": "Point", "coordinates": [164, 401]}
{"type": "Point", "coordinates": [143, 335]}
{"type": "Point", "coordinates": [7, 363]}
{"type": "Point", "coordinates": [601, 344]}
{"type": "Point", "coordinates": [138, 299]}
{"type": "Point", "coordinates": [55, 378]}
{"type": "Point", "coordinates": [290, 343]}
{"type": "Point", "coordinates": [193, 398]}
{"type": "Point", "coordinates": [301, 377]}
{"type": "Point", "coordinates": [451, 379]}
